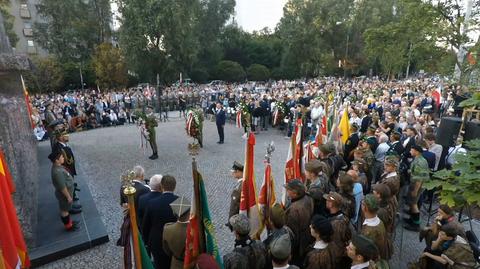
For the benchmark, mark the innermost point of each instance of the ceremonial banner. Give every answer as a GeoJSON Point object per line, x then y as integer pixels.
{"type": "Point", "coordinates": [27, 101]}
{"type": "Point", "coordinates": [267, 197]}
{"type": "Point", "coordinates": [248, 198]}
{"type": "Point", "coordinates": [293, 166]}
{"type": "Point", "coordinates": [344, 127]}
{"type": "Point", "coordinates": [298, 163]}
{"type": "Point", "coordinates": [238, 119]}
{"type": "Point", "coordinates": [13, 250]}
{"type": "Point", "coordinates": [437, 95]}
{"type": "Point", "coordinates": [200, 229]}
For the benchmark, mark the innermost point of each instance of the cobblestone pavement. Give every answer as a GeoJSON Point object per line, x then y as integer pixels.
{"type": "Point", "coordinates": [103, 154]}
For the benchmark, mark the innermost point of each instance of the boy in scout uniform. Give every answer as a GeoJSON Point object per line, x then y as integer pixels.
{"type": "Point", "coordinates": [175, 233]}
{"type": "Point", "coordinates": [363, 251]}
{"type": "Point", "coordinates": [63, 183]}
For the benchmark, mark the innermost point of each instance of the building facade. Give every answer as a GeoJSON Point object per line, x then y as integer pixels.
{"type": "Point", "coordinates": [25, 14]}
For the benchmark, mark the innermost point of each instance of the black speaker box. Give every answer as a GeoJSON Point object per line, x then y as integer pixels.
{"type": "Point", "coordinates": [447, 132]}
{"type": "Point", "coordinates": [472, 131]}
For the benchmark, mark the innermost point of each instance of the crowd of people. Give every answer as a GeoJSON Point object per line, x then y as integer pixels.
{"type": "Point", "coordinates": [343, 212]}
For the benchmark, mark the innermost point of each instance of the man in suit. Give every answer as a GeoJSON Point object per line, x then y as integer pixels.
{"type": "Point", "coordinates": [156, 191]}
{"type": "Point", "coordinates": [237, 174]}
{"type": "Point", "coordinates": [351, 144]}
{"type": "Point", "coordinates": [158, 212]}
{"type": "Point", "coordinates": [220, 120]}
{"type": "Point", "coordinates": [175, 233]}
{"type": "Point", "coordinates": [396, 146]}
{"type": "Point", "coordinates": [138, 184]}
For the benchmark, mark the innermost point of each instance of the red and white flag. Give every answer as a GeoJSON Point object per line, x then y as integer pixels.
{"type": "Point", "coordinates": [293, 166]}
{"type": "Point", "coordinates": [267, 197]}
{"type": "Point", "coordinates": [248, 199]}
{"type": "Point", "coordinates": [238, 119]}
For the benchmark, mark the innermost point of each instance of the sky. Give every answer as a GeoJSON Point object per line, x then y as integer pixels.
{"type": "Point", "coordinates": [254, 15]}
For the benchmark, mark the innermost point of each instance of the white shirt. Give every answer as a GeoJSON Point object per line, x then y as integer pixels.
{"type": "Point", "coordinates": [283, 267]}
{"type": "Point", "coordinates": [361, 265]}
{"type": "Point", "coordinates": [381, 151]}
{"type": "Point", "coordinates": [372, 222]}
{"type": "Point", "coordinates": [320, 245]}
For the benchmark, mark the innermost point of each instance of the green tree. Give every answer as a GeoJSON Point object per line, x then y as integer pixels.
{"type": "Point", "coordinates": [258, 72]}
{"type": "Point", "coordinates": [109, 65]}
{"type": "Point", "coordinates": [230, 71]}
{"type": "Point", "coordinates": [46, 75]}
{"type": "Point", "coordinates": [71, 29]}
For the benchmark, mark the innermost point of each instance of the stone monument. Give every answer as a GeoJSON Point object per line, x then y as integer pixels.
{"type": "Point", "coordinates": [16, 136]}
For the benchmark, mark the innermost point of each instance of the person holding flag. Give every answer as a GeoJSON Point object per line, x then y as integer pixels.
{"type": "Point", "coordinates": [175, 233]}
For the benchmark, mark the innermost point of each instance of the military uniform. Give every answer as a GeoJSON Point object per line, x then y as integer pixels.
{"type": "Point", "coordinates": [174, 236]}
{"type": "Point", "coordinates": [236, 192]}
{"type": "Point", "coordinates": [392, 180]}
{"type": "Point", "coordinates": [375, 230]}
{"type": "Point", "coordinates": [61, 179]}
{"type": "Point", "coordinates": [150, 123]}
{"type": "Point", "coordinates": [316, 190]}
{"type": "Point", "coordinates": [320, 257]}
{"type": "Point", "coordinates": [298, 216]}
{"type": "Point", "coordinates": [419, 172]}
{"type": "Point", "coordinates": [342, 234]}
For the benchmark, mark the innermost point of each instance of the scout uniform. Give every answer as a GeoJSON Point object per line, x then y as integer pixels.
{"type": "Point", "coordinates": [374, 229]}
{"type": "Point", "coordinates": [320, 186]}
{"type": "Point", "coordinates": [322, 254]}
{"type": "Point", "coordinates": [366, 248]}
{"type": "Point", "coordinates": [280, 249]}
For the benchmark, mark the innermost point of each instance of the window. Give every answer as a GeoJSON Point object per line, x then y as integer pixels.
{"type": "Point", "coordinates": [31, 49]}
{"type": "Point", "coordinates": [24, 12]}
{"type": "Point", "coordinates": [27, 29]}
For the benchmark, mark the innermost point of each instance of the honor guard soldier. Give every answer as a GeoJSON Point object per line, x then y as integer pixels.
{"type": "Point", "coordinates": [150, 123]}
{"type": "Point", "coordinates": [175, 233]}
{"type": "Point", "coordinates": [237, 174]}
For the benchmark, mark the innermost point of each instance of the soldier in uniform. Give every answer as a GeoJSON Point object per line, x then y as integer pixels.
{"type": "Point", "coordinates": [351, 143]}
{"type": "Point", "coordinates": [63, 183]}
{"type": "Point", "coordinates": [50, 118]}
{"type": "Point", "coordinates": [373, 227]}
{"type": "Point", "coordinates": [280, 251]}
{"type": "Point", "coordinates": [237, 174]}
{"type": "Point", "coordinates": [386, 211]}
{"type": "Point", "coordinates": [150, 123]}
{"type": "Point", "coordinates": [247, 253]}
{"type": "Point", "coordinates": [390, 177]}
{"type": "Point", "coordinates": [277, 228]}
{"type": "Point", "coordinates": [318, 184]}
{"type": "Point", "coordinates": [322, 253]}
{"type": "Point", "coordinates": [298, 215]}
{"type": "Point", "coordinates": [341, 228]}
{"type": "Point", "coordinates": [61, 145]}
{"type": "Point", "coordinates": [419, 172]}
{"type": "Point", "coordinates": [363, 252]}
{"type": "Point", "coordinates": [175, 233]}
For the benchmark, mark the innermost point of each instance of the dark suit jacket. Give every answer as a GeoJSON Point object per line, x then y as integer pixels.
{"type": "Point", "coordinates": [366, 121]}
{"type": "Point", "coordinates": [158, 212]}
{"type": "Point", "coordinates": [397, 148]}
{"type": "Point", "coordinates": [220, 117]}
{"type": "Point", "coordinates": [67, 152]}
{"type": "Point", "coordinates": [143, 201]}
{"type": "Point", "coordinates": [140, 190]}
{"type": "Point", "coordinates": [350, 145]}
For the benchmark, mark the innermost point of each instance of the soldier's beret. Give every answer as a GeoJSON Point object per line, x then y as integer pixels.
{"type": "Point", "coordinates": [365, 247]}
{"type": "Point", "coordinates": [322, 225]}
{"type": "Point", "coordinates": [206, 261]}
{"type": "Point", "coordinates": [240, 224]}
{"type": "Point", "coordinates": [180, 206]}
{"type": "Point", "coordinates": [54, 155]}
{"type": "Point", "coordinates": [277, 215]}
{"type": "Point", "coordinates": [417, 148]}
{"type": "Point", "coordinates": [371, 202]}
{"type": "Point", "coordinates": [334, 197]}
{"type": "Point", "coordinates": [237, 166]}
{"type": "Point", "coordinates": [281, 247]}
{"type": "Point", "coordinates": [315, 166]}
{"type": "Point", "coordinates": [295, 185]}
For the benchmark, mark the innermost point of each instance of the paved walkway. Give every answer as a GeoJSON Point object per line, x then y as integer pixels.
{"type": "Point", "coordinates": [105, 153]}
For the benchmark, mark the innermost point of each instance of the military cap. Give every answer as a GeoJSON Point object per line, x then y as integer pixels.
{"type": "Point", "coordinates": [237, 166]}
{"type": "Point", "coordinates": [55, 123]}
{"type": "Point", "coordinates": [54, 155]}
{"type": "Point", "coordinates": [295, 185]}
{"type": "Point", "coordinates": [206, 261]}
{"type": "Point", "coordinates": [322, 225]}
{"type": "Point", "coordinates": [180, 206]}
{"type": "Point", "coordinates": [371, 202]}
{"type": "Point", "coordinates": [355, 126]}
{"type": "Point", "coordinates": [391, 161]}
{"type": "Point", "coordinates": [333, 197]}
{"type": "Point", "coordinates": [417, 148]}
{"type": "Point", "coordinates": [277, 215]}
{"type": "Point", "coordinates": [314, 166]}
{"type": "Point", "coordinates": [365, 247]}
{"type": "Point", "coordinates": [240, 224]}
{"type": "Point", "coordinates": [281, 247]}
{"type": "Point", "coordinates": [60, 132]}
{"type": "Point", "coordinates": [383, 190]}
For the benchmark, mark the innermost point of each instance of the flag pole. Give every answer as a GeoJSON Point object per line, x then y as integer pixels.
{"type": "Point", "coordinates": [129, 191]}
{"type": "Point", "coordinates": [268, 156]}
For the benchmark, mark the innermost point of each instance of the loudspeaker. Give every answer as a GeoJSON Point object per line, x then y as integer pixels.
{"type": "Point", "coordinates": [447, 132]}
{"type": "Point", "coordinates": [472, 131]}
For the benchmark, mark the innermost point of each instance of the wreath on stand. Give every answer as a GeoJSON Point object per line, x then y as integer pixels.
{"type": "Point", "coordinates": [243, 118]}
{"type": "Point", "coordinates": [194, 127]}
{"type": "Point", "coordinates": [280, 113]}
